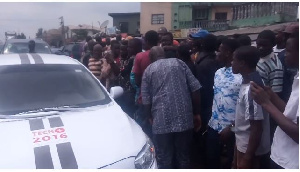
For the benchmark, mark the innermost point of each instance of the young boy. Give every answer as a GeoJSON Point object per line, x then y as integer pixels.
{"type": "Point", "coordinates": [251, 122]}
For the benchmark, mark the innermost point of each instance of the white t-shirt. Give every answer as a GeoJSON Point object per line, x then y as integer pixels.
{"type": "Point", "coordinates": [276, 50]}
{"type": "Point", "coordinates": [285, 151]}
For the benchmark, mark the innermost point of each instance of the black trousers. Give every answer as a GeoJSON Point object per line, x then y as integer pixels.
{"type": "Point", "coordinates": [274, 165]}
{"type": "Point", "coordinates": [173, 146]}
{"type": "Point", "coordinates": [214, 149]}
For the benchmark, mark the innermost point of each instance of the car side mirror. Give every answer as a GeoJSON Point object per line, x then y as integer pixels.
{"type": "Point", "coordinates": [116, 92]}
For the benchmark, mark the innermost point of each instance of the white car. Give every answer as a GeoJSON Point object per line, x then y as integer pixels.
{"type": "Point", "coordinates": [54, 114]}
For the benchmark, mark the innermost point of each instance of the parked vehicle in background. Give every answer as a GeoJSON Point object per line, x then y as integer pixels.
{"type": "Point", "coordinates": [73, 50]}
{"type": "Point", "coordinates": [54, 50]}
{"type": "Point", "coordinates": [12, 46]}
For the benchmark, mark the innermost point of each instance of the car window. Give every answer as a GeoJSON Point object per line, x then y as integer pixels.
{"type": "Point", "coordinates": [69, 47]}
{"type": "Point", "coordinates": [31, 87]}
{"type": "Point", "coordinates": [22, 47]}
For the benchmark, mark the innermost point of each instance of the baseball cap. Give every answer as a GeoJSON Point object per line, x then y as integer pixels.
{"type": "Point", "coordinates": [291, 28]}
{"type": "Point", "coordinates": [200, 34]}
{"type": "Point", "coordinates": [279, 29]}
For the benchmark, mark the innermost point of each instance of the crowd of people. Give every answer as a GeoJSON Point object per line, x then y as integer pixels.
{"type": "Point", "coordinates": [208, 101]}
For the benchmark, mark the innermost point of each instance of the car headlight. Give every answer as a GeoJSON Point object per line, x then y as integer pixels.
{"type": "Point", "coordinates": [146, 156]}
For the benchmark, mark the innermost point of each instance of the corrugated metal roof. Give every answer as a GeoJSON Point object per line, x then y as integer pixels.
{"type": "Point", "coordinates": [251, 30]}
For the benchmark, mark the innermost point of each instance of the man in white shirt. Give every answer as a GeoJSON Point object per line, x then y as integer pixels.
{"type": "Point", "coordinates": [285, 147]}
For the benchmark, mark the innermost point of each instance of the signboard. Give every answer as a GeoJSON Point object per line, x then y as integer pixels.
{"type": "Point", "coordinates": [186, 32]}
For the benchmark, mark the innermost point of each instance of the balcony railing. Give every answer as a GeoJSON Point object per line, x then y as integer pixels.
{"type": "Point", "coordinates": [210, 25]}
{"type": "Point", "coordinates": [262, 9]}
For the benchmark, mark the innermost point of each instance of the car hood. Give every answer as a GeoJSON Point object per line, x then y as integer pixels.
{"type": "Point", "coordinates": [86, 138]}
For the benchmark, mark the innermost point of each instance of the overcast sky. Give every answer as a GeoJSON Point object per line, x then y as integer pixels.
{"type": "Point", "coordinates": [27, 17]}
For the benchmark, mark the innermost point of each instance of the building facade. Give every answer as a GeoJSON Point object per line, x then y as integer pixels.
{"type": "Point", "coordinates": [155, 15]}
{"type": "Point", "coordinates": [182, 17]}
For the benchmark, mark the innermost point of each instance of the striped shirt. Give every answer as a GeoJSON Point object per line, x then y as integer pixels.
{"type": "Point", "coordinates": [271, 71]}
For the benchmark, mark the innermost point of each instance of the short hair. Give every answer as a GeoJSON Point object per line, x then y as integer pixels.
{"type": "Point", "coordinates": [124, 42]}
{"type": "Point", "coordinates": [184, 51]}
{"type": "Point", "coordinates": [113, 43]}
{"type": "Point", "coordinates": [295, 35]}
{"type": "Point", "coordinates": [267, 34]}
{"type": "Point", "coordinates": [220, 39]}
{"type": "Point", "coordinates": [152, 37]}
{"type": "Point", "coordinates": [91, 44]}
{"type": "Point", "coordinates": [249, 54]}
{"type": "Point", "coordinates": [244, 40]}
{"type": "Point", "coordinates": [119, 37]}
{"type": "Point", "coordinates": [236, 36]}
{"type": "Point", "coordinates": [88, 38]}
{"type": "Point", "coordinates": [137, 44]}
{"type": "Point", "coordinates": [156, 53]}
{"type": "Point", "coordinates": [98, 39]}
{"type": "Point", "coordinates": [210, 43]}
{"type": "Point", "coordinates": [169, 34]}
{"type": "Point", "coordinates": [232, 44]}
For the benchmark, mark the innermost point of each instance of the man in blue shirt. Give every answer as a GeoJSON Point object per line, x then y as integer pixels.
{"type": "Point", "coordinates": [226, 91]}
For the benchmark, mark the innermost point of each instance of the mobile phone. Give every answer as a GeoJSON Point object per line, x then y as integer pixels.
{"type": "Point", "coordinates": [255, 77]}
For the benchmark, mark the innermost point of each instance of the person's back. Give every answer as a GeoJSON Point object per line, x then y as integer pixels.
{"type": "Point", "coordinates": [167, 81]}
{"type": "Point", "coordinates": [206, 66]}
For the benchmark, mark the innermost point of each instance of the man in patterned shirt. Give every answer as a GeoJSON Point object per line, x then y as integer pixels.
{"type": "Point", "coordinates": [226, 92]}
{"type": "Point", "coordinates": [269, 67]}
{"type": "Point", "coordinates": [171, 95]}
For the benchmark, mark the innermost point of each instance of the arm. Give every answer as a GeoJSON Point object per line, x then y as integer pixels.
{"type": "Point", "coordinates": [146, 96]}
{"type": "Point", "coordinates": [276, 80]}
{"type": "Point", "coordinates": [138, 79]}
{"type": "Point", "coordinates": [254, 139]}
{"type": "Point", "coordinates": [288, 126]}
{"type": "Point", "coordinates": [137, 71]}
{"type": "Point", "coordinates": [114, 67]}
{"type": "Point", "coordinates": [194, 87]}
{"type": "Point", "coordinates": [127, 68]}
{"type": "Point", "coordinates": [275, 99]}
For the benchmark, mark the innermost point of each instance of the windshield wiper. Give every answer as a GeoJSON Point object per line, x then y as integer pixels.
{"type": "Point", "coordinates": [40, 112]}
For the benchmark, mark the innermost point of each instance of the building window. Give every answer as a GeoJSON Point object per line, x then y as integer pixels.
{"type": "Point", "coordinates": [157, 19]}
{"type": "Point", "coordinates": [200, 14]}
{"type": "Point", "coordinates": [220, 16]}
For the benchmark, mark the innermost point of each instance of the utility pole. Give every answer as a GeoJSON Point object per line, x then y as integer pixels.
{"type": "Point", "coordinates": [62, 24]}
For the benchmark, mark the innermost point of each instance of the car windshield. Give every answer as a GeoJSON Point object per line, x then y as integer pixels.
{"type": "Point", "coordinates": [31, 87]}
{"type": "Point", "coordinates": [22, 47]}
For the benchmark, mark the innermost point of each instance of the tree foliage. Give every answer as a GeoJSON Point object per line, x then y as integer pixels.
{"type": "Point", "coordinates": [39, 33]}
{"type": "Point", "coordinates": [21, 36]}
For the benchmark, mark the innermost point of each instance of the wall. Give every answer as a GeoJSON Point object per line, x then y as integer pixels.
{"type": "Point", "coordinates": [131, 19]}
{"type": "Point", "coordinates": [221, 9]}
{"type": "Point", "coordinates": [149, 8]}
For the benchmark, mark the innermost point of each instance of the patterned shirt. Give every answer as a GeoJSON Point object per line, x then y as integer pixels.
{"type": "Point", "coordinates": [167, 85]}
{"type": "Point", "coordinates": [271, 71]}
{"type": "Point", "coordinates": [226, 92]}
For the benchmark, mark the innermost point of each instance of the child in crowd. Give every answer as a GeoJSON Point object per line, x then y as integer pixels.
{"type": "Point", "coordinates": [252, 130]}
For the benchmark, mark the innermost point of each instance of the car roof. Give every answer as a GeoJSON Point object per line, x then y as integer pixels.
{"type": "Point", "coordinates": [24, 40]}
{"type": "Point", "coordinates": [35, 58]}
